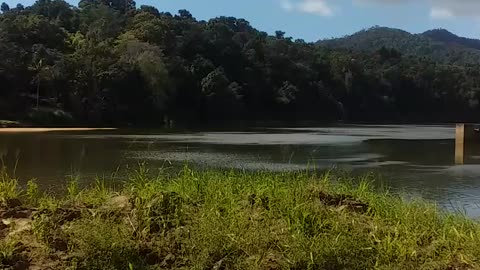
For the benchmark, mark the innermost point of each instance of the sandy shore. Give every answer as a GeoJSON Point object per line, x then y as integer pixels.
{"type": "Point", "coordinates": [34, 130]}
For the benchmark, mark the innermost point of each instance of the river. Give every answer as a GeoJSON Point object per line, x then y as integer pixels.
{"type": "Point", "coordinates": [414, 160]}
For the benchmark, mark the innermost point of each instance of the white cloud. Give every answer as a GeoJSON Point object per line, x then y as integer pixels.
{"type": "Point", "coordinates": [318, 7]}
{"type": "Point", "coordinates": [287, 5]}
{"type": "Point", "coordinates": [439, 9]}
{"type": "Point", "coordinates": [380, 1]}
{"type": "Point", "coordinates": [440, 13]}
{"type": "Point", "coordinates": [455, 8]}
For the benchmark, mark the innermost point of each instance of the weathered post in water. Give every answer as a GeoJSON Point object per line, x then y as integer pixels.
{"type": "Point", "coordinates": [464, 133]}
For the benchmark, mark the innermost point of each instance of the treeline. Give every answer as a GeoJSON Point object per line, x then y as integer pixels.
{"type": "Point", "coordinates": [110, 62]}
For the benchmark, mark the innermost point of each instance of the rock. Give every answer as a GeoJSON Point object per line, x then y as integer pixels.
{"type": "Point", "coordinates": [20, 225]}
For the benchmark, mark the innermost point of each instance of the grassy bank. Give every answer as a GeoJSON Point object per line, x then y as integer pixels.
{"type": "Point", "coordinates": [229, 220]}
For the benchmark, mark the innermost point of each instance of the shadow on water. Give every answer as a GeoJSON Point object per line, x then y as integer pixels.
{"type": "Point", "coordinates": [51, 159]}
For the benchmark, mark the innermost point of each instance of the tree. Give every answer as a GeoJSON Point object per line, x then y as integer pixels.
{"type": "Point", "coordinates": [185, 14]}
{"type": "Point", "coordinates": [280, 34]}
{"type": "Point", "coordinates": [150, 9]}
{"type": "Point", "coordinates": [148, 61]}
{"type": "Point", "coordinates": [220, 94]}
{"type": "Point", "coordinates": [57, 10]}
{"type": "Point", "coordinates": [41, 69]}
{"type": "Point", "coordinates": [287, 94]}
{"type": "Point", "coordinates": [38, 68]}
{"type": "Point", "coordinates": [4, 7]}
{"type": "Point", "coordinates": [26, 30]}
{"type": "Point", "coordinates": [91, 61]}
{"type": "Point", "coordinates": [120, 5]}
{"type": "Point", "coordinates": [149, 28]}
{"type": "Point", "coordinates": [105, 22]}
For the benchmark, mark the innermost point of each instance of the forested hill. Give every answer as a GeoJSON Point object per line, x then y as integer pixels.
{"type": "Point", "coordinates": [438, 45]}
{"type": "Point", "coordinates": [113, 63]}
{"type": "Point", "coordinates": [451, 39]}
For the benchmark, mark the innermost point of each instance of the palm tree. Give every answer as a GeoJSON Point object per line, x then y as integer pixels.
{"type": "Point", "coordinates": [40, 70]}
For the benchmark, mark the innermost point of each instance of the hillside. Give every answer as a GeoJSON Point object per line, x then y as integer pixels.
{"type": "Point", "coordinates": [439, 44]}
{"type": "Point", "coordinates": [107, 63]}
{"type": "Point", "coordinates": [450, 39]}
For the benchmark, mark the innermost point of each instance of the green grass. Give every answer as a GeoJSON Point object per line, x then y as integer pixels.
{"type": "Point", "coordinates": [8, 187]}
{"type": "Point", "coordinates": [240, 220]}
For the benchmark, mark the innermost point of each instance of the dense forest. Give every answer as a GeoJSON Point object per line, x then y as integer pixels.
{"type": "Point", "coordinates": [109, 62]}
{"type": "Point", "coordinates": [437, 45]}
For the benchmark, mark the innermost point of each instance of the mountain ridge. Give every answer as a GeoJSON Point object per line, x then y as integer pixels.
{"type": "Point", "coordinates": [439, 45]}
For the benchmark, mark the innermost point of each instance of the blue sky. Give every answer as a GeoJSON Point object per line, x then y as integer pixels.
{"type": "Point", "coordinates": [317, 19]}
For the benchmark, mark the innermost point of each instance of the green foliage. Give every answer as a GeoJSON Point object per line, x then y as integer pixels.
{"type": "Point", "coordinates": [287, 93]}
{"type": "Point", "coordinates": [93, 196]}
{"type": "Point", "coordinates": [8, 253]}
{"type": "Point", "coordinates": [109, 63]}
{"type": "Point", "coordinates": [139, 178]}
{"type": "Point", "coordinates": [47, 228]}
{"type": "Point", "coordinates": [57, 10]}
{"type": "Point", "coordinates": [438, 45]}
{"type": "Point", "coordinates": [247, 220]}
{"type": "Point", "coordinates": [109, 246]}
{"type": "Point", "coordinates": [73, 190]}
{"type": "Point", "coordinates": [9, 189]}
{"type": "Point", "coordinates": [7, 249]}
{"type": "Point", "coordinates": [147, 60]}
{"type": "Point", "coordinates": [32, 193]}
{"type": "Point", "coordinates": [4, 8]}
{"type": "Point", "coordinates": [48, 202]}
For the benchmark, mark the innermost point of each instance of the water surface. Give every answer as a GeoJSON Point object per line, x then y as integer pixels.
{"type": "Point", "coordinates": [418, 160]}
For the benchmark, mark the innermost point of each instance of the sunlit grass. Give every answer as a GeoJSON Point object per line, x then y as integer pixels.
{"type": "Point", "coordinates": [248, 220]}
{"type": "Point", "coordinates": [9, 188]}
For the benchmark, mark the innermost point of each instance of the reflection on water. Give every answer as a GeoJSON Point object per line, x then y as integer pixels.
{"type": "Point", "coordinates": [418, 160]}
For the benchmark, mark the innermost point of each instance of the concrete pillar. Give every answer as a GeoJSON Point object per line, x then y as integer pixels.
{"type": "Point", "coordinates": [463, 134]}
{"type": "Point", "coordinates": [460, 144]}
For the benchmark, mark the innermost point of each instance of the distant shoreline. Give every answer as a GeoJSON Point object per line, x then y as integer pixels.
{"type": "Point", "coordinates": [38, 130]}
